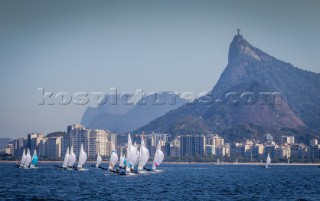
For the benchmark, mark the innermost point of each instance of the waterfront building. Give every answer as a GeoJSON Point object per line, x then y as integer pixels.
{"type": "Point", "coordinates": [314, 152]}
{"type": "Point", "coordinates": [220, 151]}
{"type": "Point", "coordinates": [299, 152]}
{"type": "Point", "coordinates": [54, 147]}
{"type": "Point", "coordinates": [258, 150]}
{"type": "Point", "coordinates": [215, 140]}
{"type": "Point", "coordinates": [102, 143]}
{"type": "Point", "coordinates": [41, 150]}
{"type": "Point", "coordinates": [9, 149]}
{"type": "Point", "coordinates": [174, 151]}
{"type": "Point", "coordinates": [314, 142]}
{"type": "Point", "coordinates": [19, 145]}
{"type": "Point", "coordinates": [271, 150]}
{"type": "Point", "coordinates": [210, 150]}
{"type": "Point", "coordinates": [113, 138]}
{"type": "Point", "coordinates": [94, 141]}
{"type": "Point", "coordinates": [78, 135]}
{"type": "Point", "coordinates": [268, 138]}
{"type": "Point", "coordinates": [237, 150]}
{"type": "Point", "coordinates": [227, 149]}
{"type": "Point", "coordinates": [167, 149]}
{"type": "Point", "coordinates": [283, 152]}
{"type": "Point", "coordinates": [192, 145]}
{"type": "Point", "coordinates": [33, 141]}
{"type": "Point", "coordinates": [287, 139]}
{"type": "Point", "coordinates": [162, 137]}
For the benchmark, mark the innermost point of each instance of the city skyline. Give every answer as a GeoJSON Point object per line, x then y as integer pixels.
{"type": "Point", "coordinates": [198, 148]}
{"type": "Point", "coordinates": [148, 45]}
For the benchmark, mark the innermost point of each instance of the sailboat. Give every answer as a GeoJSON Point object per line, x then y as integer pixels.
{"type": "Point", "coordinates": [268, 161]}
{"type": "Point", "coordinates": [65, 160]}
{"type": "Point", "coordinates": [23, 160]}
{"type": "Point", "coordinates": [130, 156]}
{"type": "Point", "coordinates": [136, 160]}
{"type": "Point", "coordinates": [122, 161]}
{"type": "Point", "coordinates": [34, 160]}
{"type": "Point", "coordinates": [158, 158]}
{"type": "Point", "coordinates": [113, 159]}
{"type": "Point", "coordinates": [129, 162]}
{"type": "Point", "coordinates": [28, 159]}
{"type": "Point", "coordinates": [72, 159]}
{"type": "Point", "coordinates": [82, 158]}
{"type": "Point", "coordinates": [143, 156]}
{"type": "Point", "coordinates": [99, 160]}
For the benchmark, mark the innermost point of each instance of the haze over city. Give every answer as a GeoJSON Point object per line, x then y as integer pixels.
{"type": "Point", "coordinates": [151, 45]}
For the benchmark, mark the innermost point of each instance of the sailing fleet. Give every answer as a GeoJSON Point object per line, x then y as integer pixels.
{"type": "Point", "coordinates": [133, 162]}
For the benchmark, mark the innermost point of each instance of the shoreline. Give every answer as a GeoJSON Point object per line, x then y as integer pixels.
{"type": "Point", "coordinates": [195, 163]}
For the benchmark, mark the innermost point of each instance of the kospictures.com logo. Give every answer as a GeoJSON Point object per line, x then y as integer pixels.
{"type": "Point", "coordinates": [113, 97]}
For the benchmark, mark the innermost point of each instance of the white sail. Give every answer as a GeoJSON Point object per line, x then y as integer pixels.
{"type": "Point", "coordinates": [128, 162]}
{"type": "Point", "coordinates": [158, 157]}
{"type": "Point", "coordinates": [28, 159]}
{"type": "Point", "coordinates": [73, 158]}
{"type": "Point", "coordinates": [113, 159]}
{"type": "Point", "coordinates": [82, 157]}
{"type": "Point", "coordinates": [99, 160]}
{"type": "Point", "coordinates": [132, 158]}
{"type": "Point", "coordinates": [122, 161]}
{"type": "Point", "coordinates": [132, 155]}
{"type": "Point", "coordinates": [268, 160]}
{"type": "Point", "coordinates": [66, 159]}
{"type": "Point", "coordinates": [23, 159]}
{"type": "Point", "coordinates": [129, 147]}
{"type": "Point", "coordinates": [137, 154]}
{"type": "Point", "coordinates": [144, 155]}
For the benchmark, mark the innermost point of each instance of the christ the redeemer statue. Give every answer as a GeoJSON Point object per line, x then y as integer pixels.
{"type": "Point", "coordinates": [238, 31]}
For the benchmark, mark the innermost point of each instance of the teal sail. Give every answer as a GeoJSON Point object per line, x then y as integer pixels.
{"type": "Point", "coordinates": [34, 160]}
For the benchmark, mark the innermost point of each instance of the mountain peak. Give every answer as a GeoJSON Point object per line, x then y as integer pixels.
{"type": "Point", "coordinates": [240, 47]}
{"type": "Point", "coordinates": [250, 75]}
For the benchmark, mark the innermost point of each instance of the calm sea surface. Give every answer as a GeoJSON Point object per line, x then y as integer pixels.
{"type": "Point", "coordinates": [173, 182]}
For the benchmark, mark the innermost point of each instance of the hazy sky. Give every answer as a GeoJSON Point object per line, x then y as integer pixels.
{"type": "Point", "coordinates": [175, 45]}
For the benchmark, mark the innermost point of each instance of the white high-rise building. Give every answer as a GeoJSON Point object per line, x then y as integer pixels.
{"type": "Point", "coordinates": [101, 141]}
{"type": "Point", "coordinates": [94, 141]}
{"type": "Point", "coordinates": [287, 139]}
{"type": "Point", "coordinates": [214, 139]}
{"type": "Point", "coordinates": [78, 135]}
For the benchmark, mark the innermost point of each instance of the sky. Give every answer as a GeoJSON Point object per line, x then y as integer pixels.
{"type": "Point", "coordinates": [173, 45]}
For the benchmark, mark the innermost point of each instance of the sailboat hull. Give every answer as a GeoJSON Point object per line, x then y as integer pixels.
{"type": "Point", "coordinates": [123, 173]}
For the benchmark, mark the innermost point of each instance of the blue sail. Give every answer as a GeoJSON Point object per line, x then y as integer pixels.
{"type": "Point", "coordinates": [34, 160]}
